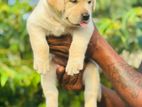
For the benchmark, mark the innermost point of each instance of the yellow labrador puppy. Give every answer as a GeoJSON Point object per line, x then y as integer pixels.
{"type": "Point", "coordinates": [59, 17]}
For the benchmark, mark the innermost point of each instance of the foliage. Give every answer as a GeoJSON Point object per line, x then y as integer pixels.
{"type": "Point", "coordinates": [16, 74]}
{"type": "Point", "coordinates": [120, 22]}
{"type": "Point", "coordinates": [122, 27]}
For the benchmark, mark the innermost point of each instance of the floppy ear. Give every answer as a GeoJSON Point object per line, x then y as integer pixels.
{"type": "Point", "coordinates": [57, 4]}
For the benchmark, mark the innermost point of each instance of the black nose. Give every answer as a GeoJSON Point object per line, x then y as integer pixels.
{"type": "Point", "coordinates": [85, 16]}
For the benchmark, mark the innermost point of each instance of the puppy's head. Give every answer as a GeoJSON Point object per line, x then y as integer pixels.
{"type": "Point", "coordinates": [78, 12]}
{"type": "Point", "coordinates": [74, 12]}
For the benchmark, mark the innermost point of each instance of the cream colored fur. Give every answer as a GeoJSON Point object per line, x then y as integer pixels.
{"type": "Point", "coordinates": [46, 20]}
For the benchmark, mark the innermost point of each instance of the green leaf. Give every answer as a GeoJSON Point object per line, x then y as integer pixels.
{"type": "Point", "coordinates": [4, 79]}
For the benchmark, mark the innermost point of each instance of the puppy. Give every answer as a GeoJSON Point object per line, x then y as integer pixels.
{"type": "Point", "coordinates": [58, 17]}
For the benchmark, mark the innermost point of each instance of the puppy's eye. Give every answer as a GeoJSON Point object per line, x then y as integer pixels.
{"type": "Point", "coordinates": [89, 2]}
{"type": "Point", "coordinates": [73, 1]}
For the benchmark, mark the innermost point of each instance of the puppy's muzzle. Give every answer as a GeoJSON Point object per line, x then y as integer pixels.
{"type": "Point", "coordinates": [85, 16]}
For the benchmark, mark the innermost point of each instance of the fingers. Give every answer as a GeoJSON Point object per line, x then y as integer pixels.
{"type": "Point", "coordinates": [72, 82]}
{"type": "Point", "coordinates": [60, 60]}
{"type": "Point", "coordinates": [56, 41]}
{"type": "Point", "coordinates": [60, 69]}
{"type": "Point", "coordinates": [69, 82]}
{"type": "Point", "coordinates": [60, 72]}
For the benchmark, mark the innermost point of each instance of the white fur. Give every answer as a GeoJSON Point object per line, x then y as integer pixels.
{"type": "Point", "coordinates": [91, 81]}
{"type": "Point", "coordinates": [39, 25]}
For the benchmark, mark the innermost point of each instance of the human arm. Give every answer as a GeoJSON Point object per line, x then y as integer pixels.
{"type": "Point", "coordinates": [125, 80]}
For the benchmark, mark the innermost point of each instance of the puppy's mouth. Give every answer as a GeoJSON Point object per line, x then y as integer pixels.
{"type": "Point", "coordinates": [81, 24]}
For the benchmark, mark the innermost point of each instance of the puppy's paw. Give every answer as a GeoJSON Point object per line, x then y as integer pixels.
{"type": "Point", "coordinates": [41, 65]}
{"type": "Point", "coordinates": [74, 66]}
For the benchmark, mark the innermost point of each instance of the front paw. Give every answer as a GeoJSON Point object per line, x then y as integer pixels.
{"type": "Point", "coordinates": [74, 66]}
{"type": "Point", "coordinates": [41, 65]}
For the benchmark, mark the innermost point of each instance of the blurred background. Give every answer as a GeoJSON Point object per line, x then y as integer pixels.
{"type": "Point", "coordinates": [119, 22]}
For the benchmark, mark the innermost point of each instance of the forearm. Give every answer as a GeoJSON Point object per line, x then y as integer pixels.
{"type": "Point", "coordinates": [124, 78]}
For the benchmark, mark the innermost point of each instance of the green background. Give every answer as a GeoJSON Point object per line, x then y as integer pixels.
{"type": "Point", "coordinates": [119, 21]}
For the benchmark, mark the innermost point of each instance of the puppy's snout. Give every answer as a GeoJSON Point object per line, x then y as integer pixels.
{"type": "Point", "coordinates": [85, 16]}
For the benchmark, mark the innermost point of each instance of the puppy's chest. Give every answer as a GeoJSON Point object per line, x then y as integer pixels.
{"type": "Point", "coordinates": [59, 30]}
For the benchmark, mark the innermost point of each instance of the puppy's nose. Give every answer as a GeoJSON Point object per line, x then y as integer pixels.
{"type": "Point", "coordinates": [85, 16]}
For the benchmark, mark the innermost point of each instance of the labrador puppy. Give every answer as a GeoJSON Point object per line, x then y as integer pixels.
{"type": "Point", "coordinates": [58, 17]}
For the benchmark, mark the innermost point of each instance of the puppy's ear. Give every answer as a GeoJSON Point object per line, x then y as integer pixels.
{"type": "Point", "coordinates": [57, 4]}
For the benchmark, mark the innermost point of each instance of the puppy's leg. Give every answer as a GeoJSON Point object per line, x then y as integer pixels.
{"type": "Point", "coordinates": [81, 38]}
{"type": "Point", "coordinates": [92, 85]}
{"type": "Point", "coordinates": [40, 48]}
{"type": "Point", "coordinates": [48, 83]}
